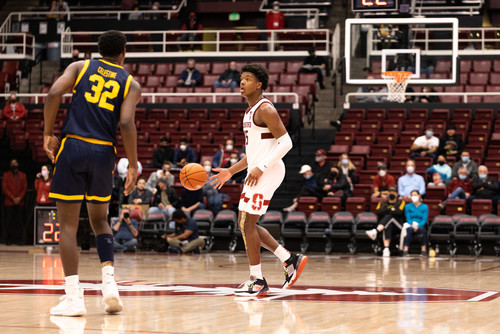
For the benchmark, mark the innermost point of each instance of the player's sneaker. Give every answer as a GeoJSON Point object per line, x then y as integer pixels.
{"type": "Point", "coordinates": [372, 234]}
{"type": "Point", "coordinates": [110, 296]}
{"type": "Point", "coordinates": [386, 252]}
{"type": "Point", "coordinates": [293, 268]}
{"type": "Point", "coordinates": [71, 305]}
{"type": "Point", "coordinates": [253, 287]}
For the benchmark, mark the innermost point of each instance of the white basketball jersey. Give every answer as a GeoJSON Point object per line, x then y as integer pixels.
{"type": "Point", "coordinates": [259, 141]}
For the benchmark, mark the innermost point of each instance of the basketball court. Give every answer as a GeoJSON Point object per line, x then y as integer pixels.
{"type": "Point", "coordinates": [165, 293]}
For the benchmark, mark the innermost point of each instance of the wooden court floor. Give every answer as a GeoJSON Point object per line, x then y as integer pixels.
{"type": "Point", "coordinates": [192, 294]}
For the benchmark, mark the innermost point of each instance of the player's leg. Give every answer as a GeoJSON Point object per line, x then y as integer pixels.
{"type": "Point", "coordinates": [98, 214]}
{"type": "Point", "coordinates": [72, 303]}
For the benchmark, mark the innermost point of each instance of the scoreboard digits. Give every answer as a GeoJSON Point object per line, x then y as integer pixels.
{"type": "Point", "coordinates": [46, 226]}
{"type": "Point", "coordinates": [374, 5]}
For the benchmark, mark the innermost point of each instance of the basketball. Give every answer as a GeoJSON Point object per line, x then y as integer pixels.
{"type": "Point", "coordinates": [193, 176]}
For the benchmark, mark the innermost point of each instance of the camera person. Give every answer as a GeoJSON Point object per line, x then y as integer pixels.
{"type": "Point", "coordinates": [125, 230]}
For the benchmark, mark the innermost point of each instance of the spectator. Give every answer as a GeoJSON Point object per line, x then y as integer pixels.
{"type": "Point", "coordinates": [221, 157]}
{"type": "Point", "coordinates": [62, 6]}
{"type": "Point", "coordinates": [156, 6]}
{"type": "Point", "coordinates": [163, 153]}
{"type": "Point", "coordinates": [184, 154]}
{"type": "Point", "coordinates": [309, 187]}
{"type": "Point", "coordinates": [214, 198]}
{"type": "Point", "coordinates": [190, 77]}
{"type": "Point", "coordinates": [442, 170]}
{"type": "Point", "coordinates": [460, 187]}
{"type": "Point", "coordinates": [390, 213]}
{"type": "Point", "coordinates": [229, 78]}
{"type": "Point", "coordinates": [125, 231]}
{"type": "Point", "coordinates": [484, 187]}
{"type": "Point", "coordinates": [366, 89]}
{"type": "Point", "coordinates": [53, 9]}
{"type": "Point", "coordinates": [426, 145]}
{"type": "Point", "coordinates": [136, 15]}
{"type": "Point", "coordinates": [120, 179]}
{"type": "Point", "coordinates": [428, 98]}
{"type": "Point", "coordinates": [315, 64]}
{"type": "Point", "coordinates": [42, 186]}
{"type": "Point", "coordinates": [14, 109]}
{"type": "Point", "coordinates": [164, 172]}
{"type": "Point", "coordinates": [451, 144]}
{"type": "Point", "coordinates": [140, 195]}
{"type": "Point", "coordinates": [165, 199]}
{"type": "Point", "coordinates": [275, 19]}
{"type": "Point", "coordinates": [237, 177]}
{"type": "Point", "coordinates": [192, 24]}
{"type": "Point", "coordinates": [466, 162]}
{"type": "Point", "coordinates": [416, 218]}
{"type": "Point", "coordinates": [348, 168]}
{"type": "Point", "coordinates": [410, 181]}
{"type": "Point", "coordinates": [191, 200]}
{"type": "Point", "coordinates": [336, 184]}
{"type": "Point", "coordinates": [382, 182]}
{"type": "Point", "coordinates": [321, 167]}
{"type": "Point", "coordinates": [185, 239]}
{"type": "Point", "coordinates": [14, 188]}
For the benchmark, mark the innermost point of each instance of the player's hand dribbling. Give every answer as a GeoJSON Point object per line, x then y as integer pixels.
{"type": "Point", "coordinates": [51, 146]}
{"type": "Point", "coordinates": [253, 177]}
{"type": "Point", "coordinates": [218, 180]}
{"type": "Point", "coordinates": [131, 178]}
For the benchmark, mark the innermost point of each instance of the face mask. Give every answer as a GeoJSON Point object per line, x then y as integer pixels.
{"type": "Point", "coordinates": [345, 162]}
{"type": "Point", "coordinates": [441, 163]}
{"type": "Point", "coordinates": [429, 134]}
{"type": "Point", "coordinates": [462, 177]}
{"type": "Point", "coordinates": [410, 169]}
{"type": "Point", "coordinates": [318, 159]}
{"type": "Point", "coordinates": [482, 176]}
{"type": "Point", "coordinates": [164, 146]}
{"type": "Point", "coordinates": [12, 101]}
{"type": "Point", "coordinates": [183, 147]}
{"type": "Point", "coordinates": [229, 147]}
{"type": "Point", "coordinates": [465, 159]}
{"type": "Point", "coordinates": [415, 199]}
{"type": "Point", "coordinates": [392, 197]}
{"type": "Point", "coordinates": [333, 174]}
{"type": "Point", "coordinates": [276, 9]}
{"type": "Point", "coordinates": [208, 168]}
{"type": "Point", "coordinates": [14, 168]}
{"type": "Point", "coordinates": [45, 173]}
{"type": "Point", "coordinates": [233, 161]}
{"type": "Point", "coordinates": [382, 173]}
{"type": "Point", "coordinates": [308, 177]}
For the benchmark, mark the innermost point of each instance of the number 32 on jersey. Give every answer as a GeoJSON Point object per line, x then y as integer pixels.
{"type": "Point", "coordinates": [100, 96]}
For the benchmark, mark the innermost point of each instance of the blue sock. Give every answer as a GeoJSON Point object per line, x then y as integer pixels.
{"type": "Point", "coordinates": [105, 247]}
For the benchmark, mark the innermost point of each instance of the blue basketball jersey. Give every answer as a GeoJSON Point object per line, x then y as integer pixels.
{"type": "Point", "coordinates": [98, 94]}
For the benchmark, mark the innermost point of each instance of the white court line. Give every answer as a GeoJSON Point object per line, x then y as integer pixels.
{"type": "Point", "coordinates": [483, 296]}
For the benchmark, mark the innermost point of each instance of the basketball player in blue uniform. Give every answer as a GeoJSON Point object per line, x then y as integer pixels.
{"type": "Point", "coordinates": [104, 93]}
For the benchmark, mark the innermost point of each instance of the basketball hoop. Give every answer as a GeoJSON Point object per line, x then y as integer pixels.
{"type": "Point", "coordinates": [396, 84]}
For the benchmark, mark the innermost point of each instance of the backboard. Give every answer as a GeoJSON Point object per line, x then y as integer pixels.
{"type": "Point", "coordinates": [428, 47]}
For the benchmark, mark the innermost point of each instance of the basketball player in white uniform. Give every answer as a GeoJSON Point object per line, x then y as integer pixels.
{"type": "Point", "coordinates": [266, 142]}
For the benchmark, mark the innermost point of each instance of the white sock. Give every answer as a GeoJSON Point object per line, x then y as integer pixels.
{"type": "Point", "coordinates": [72, 284]}
{"type": "Point", "coordinates": [256, 271]}
{"type": "Point", "coordinates": [108, 272]}
{"type": "Point", "coordinates": [282, 253]}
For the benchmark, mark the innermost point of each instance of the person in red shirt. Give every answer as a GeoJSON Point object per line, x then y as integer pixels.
{"type": "Point", "coordinates": [14, 188]}
{"type": "Point", "coordinates": [460, 187]}
{"type": "Point", "coordinates": [191, 24]}
{"type": "Point", "coordinates": [42, 186]}
{"type": "Point", "coordinates": [275, 19]}
{"type": "Point", "coordinates": [382, 181]}
{"type": "Point", "coordinates": [14, 109]}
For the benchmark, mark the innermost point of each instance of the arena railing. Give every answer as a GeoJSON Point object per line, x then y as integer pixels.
{"type": "Point", "coordinates": [311, 13]}
{"type": "Point", "coordinates": [17, 46]}
{"type": "Point", "coordinates": [425, 7]}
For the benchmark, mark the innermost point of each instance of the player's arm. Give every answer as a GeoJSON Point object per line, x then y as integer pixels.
{"type": "Point", "coordinates": [129, 133]}
{"type": "Point", "coordinates": [62, 86]}
{"type": "Point", "coordinates": [225, 174]}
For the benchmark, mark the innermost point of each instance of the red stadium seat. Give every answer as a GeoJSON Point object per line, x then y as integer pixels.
{"type": "Point", "coordinates": [483, 66]}
{"type": "Point", "coordinates": [162, 69]}
{"type": "Point", "coordinates": [455, 206]}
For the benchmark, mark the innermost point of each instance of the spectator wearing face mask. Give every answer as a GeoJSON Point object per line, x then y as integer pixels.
{"type": "Point", "coordinates": [465, 162]}
{"type": "Point", "coordinates": [214, 198]}
{"type": "Point", "coordinates": [410, 181]}
{"type": "Point", "coordinates": [237, 177]}
{"type": "Point", "coordinates": [162, 153]}
{"type": "Point", "coordinates": [14, 187]}
{"type": "Point", "coordinates": [192, 24]}
{"type": "Point", "coordinates": [321, 167]}
{"type": "Point", "coordinates": [451, 144]}
{"type": "Point", "coordinates": [221, 157]}
{"type": "Point", "coordinates": [336, 184]}
{"type": "Point", "coordinates": [184, 154]}
{"type": "Point", "coordinates": [484, 187]}
{"type": "Point", "coordinates": [441, 172]}
{"type": "Point", "coordinates": [165, 173]}
{"type": "Point", "coordinates": [190, 77]}
{"type": "Point", "coordinates": [390, 214]}
{"type": "Point", "coordinates": [42, 186]}
{"type": "Point", "coordinates": [348, 168]}
{"type": "Point", "coordinates": [416, 214]}
{"type": "Point", "coordinates": [229, 78]}
{"type": "Point", "coordinates": [460, 187]}
{"type": "Point", "coordinates": [425, 146]}
{"type": "Point", "coordinates": [382, 181]}
{"type": "Point", "coordinates": [275, 19]}
{"type": "Point", "coordinates": [428, 98]}
{"type": "Point", "coordinates": [310, 187]}
{"type": "Point", "coordinates": [13, 109]}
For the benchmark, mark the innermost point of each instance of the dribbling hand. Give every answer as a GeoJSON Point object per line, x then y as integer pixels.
{"type": "Point", "coordinates": [131, 178]}
{"type": "Point", "coordinates": [51, 146]}
{"type": "Point", "coordinates": [218, 180]}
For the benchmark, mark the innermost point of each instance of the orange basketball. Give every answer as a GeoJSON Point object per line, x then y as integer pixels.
{"type": "Point", "coordinates": [193, 176]}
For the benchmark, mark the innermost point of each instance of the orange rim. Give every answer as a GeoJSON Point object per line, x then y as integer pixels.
{"type": "Point", "coordinates": [399, 76]}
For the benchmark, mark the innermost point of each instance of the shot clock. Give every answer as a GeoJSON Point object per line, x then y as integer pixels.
{"type": "Point", "coordinates": [374, 5]}
{"type": "Point", "coordinates": [46, 226]}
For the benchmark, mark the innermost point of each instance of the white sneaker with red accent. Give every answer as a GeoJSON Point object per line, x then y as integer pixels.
{"type": "Point", "coordinates": [253, 287]}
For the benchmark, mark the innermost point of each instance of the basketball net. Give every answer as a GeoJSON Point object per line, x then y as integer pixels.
{"type": "Point", "coordinates": [396, 84]}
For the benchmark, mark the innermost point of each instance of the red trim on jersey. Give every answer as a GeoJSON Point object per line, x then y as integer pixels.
{"type": "Point", "coordinates": [266, 135]}
{"type": "Point", "coordinates": [253, 116]}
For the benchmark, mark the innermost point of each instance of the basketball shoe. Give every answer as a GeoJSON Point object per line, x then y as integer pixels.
{"type": "Point", "coordinates": [293, 268]}
{"type": "Point", "coordinates": [110, 296]}
{"type": "Point", "coordinates": [71, 305]}
{"type": "Point", "coordinates": [253, 287]}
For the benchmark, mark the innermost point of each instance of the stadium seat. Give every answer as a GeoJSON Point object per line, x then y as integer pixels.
{"type": "Point", "coordinates": [483, 66]}
{"type": "Point", "coordinates": [356, 114]}
{"type": "Point", "coordinates": [435, 192]}
{"type": "Point", "coordinates": [441, 229]}
{"type": "Point", "coordinates": [480, 206]}
{"type": "Point", "coordinates": [272, 221]}
{"type": "Point", "coordinates": [294, 228]}
{"type": "Point", "coordinates": [455, 206]}
{"type": "Point", "coordinates": [343, 228]}
{"type": "Point", "coordinates": [489, 230]}
{"type": "Point", "coordinates": [355, 205]}
{"type": "Point", "coordinates": [317, 228]}
{"type": "Point", "coordinates": [466, 229]}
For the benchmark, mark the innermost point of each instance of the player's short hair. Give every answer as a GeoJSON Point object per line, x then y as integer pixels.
{"type": "Point", "coordinates": [260, 73]}
{"type": "Point", "coordinates": [111, 43]}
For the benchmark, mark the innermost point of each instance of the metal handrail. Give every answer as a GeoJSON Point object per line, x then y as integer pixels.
{"type": "Point", "coordinates": [28, 50]}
